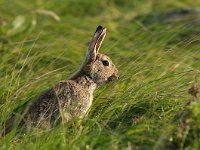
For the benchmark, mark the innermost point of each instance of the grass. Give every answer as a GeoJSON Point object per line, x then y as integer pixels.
{"type": "Point", "coordinates": [155, 46]}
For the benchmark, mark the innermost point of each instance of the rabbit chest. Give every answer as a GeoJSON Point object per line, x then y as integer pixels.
{"type": "Point", "coordinates": [75, 98]}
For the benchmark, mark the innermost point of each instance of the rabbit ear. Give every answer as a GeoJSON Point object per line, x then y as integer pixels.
{"type": "Point", "coordinates": [95, 43]}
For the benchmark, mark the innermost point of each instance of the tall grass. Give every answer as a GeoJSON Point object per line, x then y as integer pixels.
{"type": "Point", "coordinates": [154, 45]}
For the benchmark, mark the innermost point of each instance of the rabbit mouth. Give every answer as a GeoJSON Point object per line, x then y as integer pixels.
{"type": "Point", "coordinates": [112, 78]}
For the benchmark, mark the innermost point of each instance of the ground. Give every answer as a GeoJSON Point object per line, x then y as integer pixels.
{"type": "Point", "coordinates": [155, 45]}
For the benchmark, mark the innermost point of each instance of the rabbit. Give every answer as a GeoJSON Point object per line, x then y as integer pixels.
{"type": "Point", "coordinates": [71, 97]}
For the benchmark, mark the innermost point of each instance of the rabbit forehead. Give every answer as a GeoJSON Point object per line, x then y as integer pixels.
{"type": "Point", "coordinates": [103, 57]}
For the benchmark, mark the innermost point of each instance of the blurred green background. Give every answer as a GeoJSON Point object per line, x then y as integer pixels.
{"type": "Point", "coordinates": [155, 45]}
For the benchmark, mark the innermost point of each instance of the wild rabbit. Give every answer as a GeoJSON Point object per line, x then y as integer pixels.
{"type": "Point", "coordinates": [74, 96]}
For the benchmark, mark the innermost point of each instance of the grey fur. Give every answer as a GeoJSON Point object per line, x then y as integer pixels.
{"type": "Point", "coordinates": [74, 96]}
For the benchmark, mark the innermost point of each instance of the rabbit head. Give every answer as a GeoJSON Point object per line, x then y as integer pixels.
{"type": "Point", "coordinates": [97, 66]}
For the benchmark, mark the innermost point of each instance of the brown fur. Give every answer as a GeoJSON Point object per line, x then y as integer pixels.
{"type": "Point", "coordinates": [71, 97]}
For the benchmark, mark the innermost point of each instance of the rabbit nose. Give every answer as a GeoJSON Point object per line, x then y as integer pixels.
{"type": "Point", "coordinates": [116, 75]}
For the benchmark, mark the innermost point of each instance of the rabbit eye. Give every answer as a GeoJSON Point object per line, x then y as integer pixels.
{"type": "Point", "coordinates": [105, 63]}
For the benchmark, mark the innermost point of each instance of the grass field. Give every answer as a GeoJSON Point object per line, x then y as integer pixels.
{"type": "Point", "coordinates": [155, 45]}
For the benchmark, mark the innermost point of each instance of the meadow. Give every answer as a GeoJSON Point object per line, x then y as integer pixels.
{"type": "Point", "coordinates": [155, 45]}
